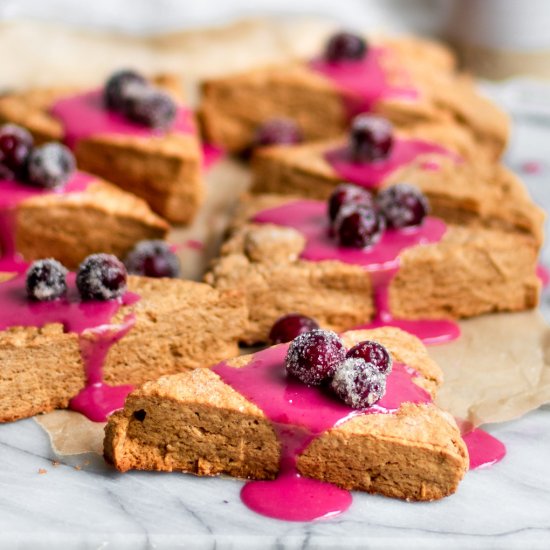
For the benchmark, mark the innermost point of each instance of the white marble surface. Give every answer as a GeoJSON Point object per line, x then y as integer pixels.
{"type": "Point", "coordinates": [505, 506]}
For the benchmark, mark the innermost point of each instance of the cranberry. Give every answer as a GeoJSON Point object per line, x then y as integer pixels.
{"type": "Point", "coordinates": [278, 131]}
{"type": "Point", "coordinates": [15, 147]}
{"type": "Point", "coordinates": [151, 107]}
{"type": "Point", "coordinates": [313, 356]}
{"type": "Point", "coordinates": [358, 383]}
{"type": "Point", "coordinates": [46, 280]}
{"type": "Point", "coordinates": [101, 277]}
{"type": "Point", "coordinates": [374, 353]}
{"type": "Point", "coordinates": [403, 205]}
{"type": "Point", "coordinates": [50, 165]}
{"type": "Point", "coordinates": [346, 193]}
{"type": "Point", "coordinates": [371, 138]}
{"type": "Point", "coordinates": [290, 326]}
{"type": "Point", "coordinates": [153, 259]}
{"type": "Point", "coordinates": [359, 226]}
{"type": "Point", "coordinates": [345, 46]}
{"type": "Point", "coordinates": [115, 93]}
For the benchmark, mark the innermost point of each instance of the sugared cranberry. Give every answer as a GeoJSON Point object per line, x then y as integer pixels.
{"type": "Point", "coordinates": [46, 280]}
{"type": "Point", "coordinates": [374, 353]}
{"type": "Point", "coordinates": [117, 87]}
{"type": "Point", "coordinates": [358, 226]}
{"type": "Point", "coordinates": [153, 259]}
{"type": "Point", "coordinates": [346, 193]}
{"type": "Point", "coordinates": [371, 138]}
{"type": "Point", "coordinates": [15, 147]}
{"type": "Point", "coordinates": [345, 46]}
{"type": "Point", "coordinates": [101, 277]}
{"type": "Point", "coordinates": [403, 205]}
{"type": "Point", "coordinates": [313, 356]}
{"type": "Point", "coordinates": [278, 131]}
{"type": "Point", "coordinates": [358, 383]}
{"type": "Point", "coordinates": [151, 107]}
{"type": "Point", "coordinates": [290, 326]}
{"type": "Point", "coordinates": [50, 165]}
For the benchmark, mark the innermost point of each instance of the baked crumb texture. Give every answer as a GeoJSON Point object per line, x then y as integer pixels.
{"type": "Point", "coordinates": [164, 171]}
{"type": "Point", "coordinates": [179, 325]}
{"type": "Point", "coordinates": [471, 271]}
{"type": "Point", "coordinates": [194, 422]}
{"type": "Point", "coordinates": [233, 106]}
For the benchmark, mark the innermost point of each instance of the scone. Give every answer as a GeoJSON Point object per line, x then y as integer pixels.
{"type": "Point", "coordinates": [88, 215]}
{"type": "Point", "coordinates": [407, 80]}
{"type": "Point", "coordinates": [160, 165]}
{"type": "Point", "coordinates": [461, 191]}
{"type": "Point", "coordinates": [237, 419]}
{"type": "Point", "coordinates": [281, 255]}
{"type": "Point", "coordinates": [53, 351]}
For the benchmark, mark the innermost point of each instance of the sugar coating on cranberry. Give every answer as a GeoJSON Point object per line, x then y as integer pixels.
{"type": "Point", "coordinates": [371, 138]}
{"type": "Point", "coordinates": [101, 277]}
{"type": "Point", "coordinates": [151, 107]}
{"type": "Point", "coordinates": [50, 165]}
{"type": "Point", "coordinates": [278, 131]}
{"type": "Point", "coordinates": [358, 226]}
{"type": "Point", "coordinates": [403, 205]}
{"type": "Point", "coordinates": [345, 46]}
{"type": "Point", "coordinates": [118, 87]}
{"type": "Point", "coordinates": [153, 259]}
{"type": "Point", "coordinates": [290, 326]}
{"type": "Point", "coordinates": [313, 356]}
{"type": "Point", "coordinates": [374, 353]}
{"type": "Point", "coordinates": [347, 193]}
{"type": "Point", "coordinates": [15, 147]}
{"type": "Point", "coordinates": [46, 280]}
{"type": "Point", "coordinates": [358, 383]}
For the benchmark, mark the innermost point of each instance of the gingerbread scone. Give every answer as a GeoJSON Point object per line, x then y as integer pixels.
{"type": "Point", "coordinates": [78, 341]}
{"type": "Point", "coordinates": [374, 156]}
{"type": "Point", "coordinates": [140, 137]}
{"type": "Point", "coordinates": [286, 258]}
{"type": "Point", "coordinates": [234, 419]}
{"type": "Point", "coordinates": [47, 208]}
{"type": "Point", "coordinates": [393, 78]}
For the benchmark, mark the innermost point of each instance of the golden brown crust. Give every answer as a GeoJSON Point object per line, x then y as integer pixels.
{"type": "Point", "coordinates": [179, 325]}
{"type": "Point", "coordinates": [474, 193]}
{"type": "Point", "coordinates": [470, 272]}
{"type": "Point", "coordinates": [69, 227]}
{"type": "Point", "coordinates": [194, 422]}
{"type": "Point", "coordinates": [165, 171]}
{"type": "Point", "coordinates": [234, 106]}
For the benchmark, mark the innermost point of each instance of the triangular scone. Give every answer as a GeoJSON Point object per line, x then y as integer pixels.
{"type": "Point", "coordinates": [234, 106]}
{"type": "Point", "coordinates": [165, 170]}
{"type": "Point", "coordinates": [475, 193]}
{"type": "Point", "coordinates": [471, 271]}
{"type": "Point", "coordinates": [179, 325]}
{"type": "Point", "coordinates": [70, 226]}
{"type": "Point", "coordinates": [195, 422]}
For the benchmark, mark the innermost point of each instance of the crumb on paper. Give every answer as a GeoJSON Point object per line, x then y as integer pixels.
{"type": "Point", "coordinates": [56, 463]}
{"type": "Point", "coordinates": [42, 471]}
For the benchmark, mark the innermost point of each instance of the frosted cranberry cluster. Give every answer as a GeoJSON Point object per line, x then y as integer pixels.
{"type": "Point", "coordinates": [357, 376]}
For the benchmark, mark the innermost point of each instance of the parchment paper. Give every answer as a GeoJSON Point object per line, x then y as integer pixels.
{"type": "Point", "coordinates": [497, 371]}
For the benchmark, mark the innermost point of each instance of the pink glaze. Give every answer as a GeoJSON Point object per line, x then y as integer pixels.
{"type": "Point", "coordinates": [301, 413]}
{"type": "Point", "coordinates": [193, 244]}
{"type": "Point", "coordinates": [211, 154]}
{"type": "Point", "coordinates": [92, 321]}
{"type": "Point", "coordinates": [484, 449]}
{"type": "Point", "coordinates": [532, 167]}
{"type": "Point", "coordinates": [381, 261]}
{"type": "Point", "coordinates": [544, 275]}
{"type": "Point", "coordinates": [84, 115]}
{"type": "Point", "coordinates": [12, 193]}
{"type": "Point", "coordinates": [371, 174]}
{"type": "Point", "coordinates": [365, 82]}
